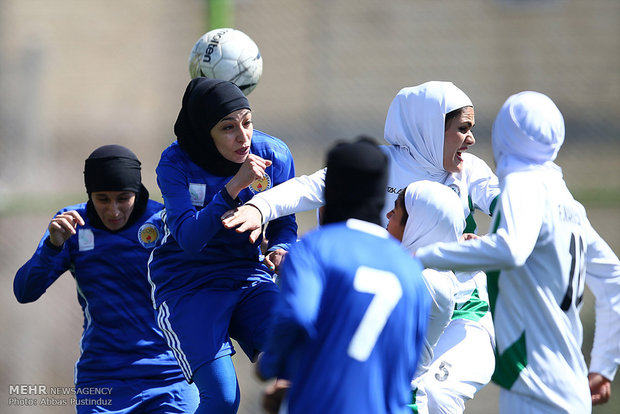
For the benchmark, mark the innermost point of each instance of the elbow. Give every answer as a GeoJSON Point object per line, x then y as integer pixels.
{"type": "Point", "coordinates": [25, 289]}
{"type": "Point", "coordinates": [22, 299]}
{"type": "Point", "coordinates": [188, 240]}
{"type": "Point", "coordinates": [21, 295]}
{"type": "Point", "coordinates": [510, 255]}
{"type": "Point", "coordinates": [190, 247]}
{"type": "Point", "coordinates": [518, 260]}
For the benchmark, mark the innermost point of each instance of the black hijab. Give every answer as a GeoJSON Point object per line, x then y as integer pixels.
{"type": "Point", "coordinates": [205, 103]}
{"type": "Point", "coordinates": [355, 182]}
{"type": "Point", "coordinates": [114, 168]}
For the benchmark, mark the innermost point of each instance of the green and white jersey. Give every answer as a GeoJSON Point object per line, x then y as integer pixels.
{"type": "Point", "coordinates": [541, 251]}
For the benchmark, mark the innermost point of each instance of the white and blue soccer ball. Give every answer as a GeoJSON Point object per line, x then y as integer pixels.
{"type": "Point", "coordinates": [227, 54]}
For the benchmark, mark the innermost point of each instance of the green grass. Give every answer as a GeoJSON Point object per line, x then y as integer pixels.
{"type": "Point", "coordinates": [26, 204]}
{"type": "Point", "coordinates": [598, 197]}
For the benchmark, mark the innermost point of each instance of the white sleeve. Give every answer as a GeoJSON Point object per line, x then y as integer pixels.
{"type": "Point", "coordinates": [517, 228]}
{"type": "Point", "coordinates": [482, 183]}
{"type": "Point", "coordinates": [603, 279]}
{"type": "Point", "coordinates": [292, 196]}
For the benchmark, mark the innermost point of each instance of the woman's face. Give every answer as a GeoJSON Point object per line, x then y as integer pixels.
{"type": "Point", "coordinates": [396, 223]}
{"type": "Point", "coordinates": [233, 134]}
{"type": "Point", "coordinates": [458, 138]}
{"type": "Point", "coordinates": [113, 207]}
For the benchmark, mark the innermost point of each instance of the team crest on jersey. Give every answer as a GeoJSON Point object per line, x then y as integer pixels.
{"type": "Point", "coordinates": [148, 235]}
{"type": "Point", "coordinates": [261, 184]}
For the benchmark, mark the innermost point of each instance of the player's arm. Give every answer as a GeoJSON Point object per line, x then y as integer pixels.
{"type": "Point", "coordinates": [50, 260]}
{"type": "Point", "coordinates": [191, 228]}
{"type": "Point", "coordinates": [274, 395]}
{"type": "Point", "coordinates": [298, 194]}
{"type": "Point", "coordinates": [515, 230]}
{"type": "Point", "coordinates": [281, 233]}
{"type": "Point", "coordinates": [603, 279]}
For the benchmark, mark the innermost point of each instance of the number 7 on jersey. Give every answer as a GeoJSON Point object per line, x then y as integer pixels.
{"type": "Point", "coordinates": [387, 291]}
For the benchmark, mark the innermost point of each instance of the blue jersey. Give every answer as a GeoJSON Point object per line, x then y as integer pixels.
{"type": "Point", "coordinates": [196, 248]}
{"type": "Point", "coordinates": [350, 325]}
{"type": "Point", "coordinates": [121, 339]}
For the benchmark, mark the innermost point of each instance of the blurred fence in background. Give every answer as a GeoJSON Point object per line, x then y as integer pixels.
{"type": "Point", "coordinates": [75, 75]}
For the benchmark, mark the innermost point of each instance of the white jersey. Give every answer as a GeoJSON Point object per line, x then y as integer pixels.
{"type": "Point", "coordinates": [545, 245]}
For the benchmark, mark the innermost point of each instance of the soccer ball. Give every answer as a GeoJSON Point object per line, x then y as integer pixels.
{"type": "Point", "coordinates": [227, 54]}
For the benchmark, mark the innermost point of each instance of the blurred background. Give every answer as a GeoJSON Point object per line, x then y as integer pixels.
{"type": "Point", "coordinates": [78, 74]}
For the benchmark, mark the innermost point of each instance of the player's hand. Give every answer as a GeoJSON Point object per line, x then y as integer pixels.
{"type": "Point", "coordinates": [600, 388]}
{"type": "Point", "coordinates": [274, 395]}
{"type": "Point", "coordinates": [63, 226]}
{"type": "Point", "coordinates": [244, 218]}
{"type": "Point", "coordinates": [253, 168]}
{"type": "Point", "coordinates": [468, 236]}
{"type": "Point", "coordinates": [274, 259]}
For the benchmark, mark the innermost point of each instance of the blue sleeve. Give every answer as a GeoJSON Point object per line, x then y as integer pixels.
{"type": "Point", "coordinates": [46, 265]}
{"type": "Point", "coordinates": [302, 284]}
{"type": "Point", "coordinates": [191, 228]}
{"type": "Point", "coordinates": [282, 232]}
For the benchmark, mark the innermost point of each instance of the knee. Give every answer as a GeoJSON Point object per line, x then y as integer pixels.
{"type": "Point", "coordinates": [217, 387]}
{"type": "Point", "coordinates": [217, 403]}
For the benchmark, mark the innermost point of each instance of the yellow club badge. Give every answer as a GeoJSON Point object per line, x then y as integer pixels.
{"type": "Point", "coordinates": [261, 184]}
{"type": "Point", "coordinates": [148, 235]}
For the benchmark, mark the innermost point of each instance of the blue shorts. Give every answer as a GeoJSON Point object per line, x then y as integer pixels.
{"type": "Point", "coordinates": [136, 396]}
{"type": "Point", "coordinates": [198, 325]}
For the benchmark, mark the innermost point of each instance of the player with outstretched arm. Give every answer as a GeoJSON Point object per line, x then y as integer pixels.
{"type": "Point", "coordinates": [541, 251]}
{"type": "Point", "coordinates": [429, 129]}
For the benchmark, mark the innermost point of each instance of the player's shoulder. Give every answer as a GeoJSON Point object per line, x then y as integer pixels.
{"type": "Point", "coordinates": [79, 207]}
{"type": "Point", "coordinates": [151, 230]}
{"type": "Point", "coordinates": [475, 169]}
{"type": "Point", "coordinates": [173, 154]}
{"type": "Point", "coordinates": [358, 234]}
{"type": "Point", "coordinates": [265, 143]}
{"type": "Point", "coordinates": [528, 178]}
{"type": "Point", "coordinates": [153, 207]}
{"type": "Point", "coordinates": [176, 160]}
{"type": "Point", "coordinates": [473, 163]}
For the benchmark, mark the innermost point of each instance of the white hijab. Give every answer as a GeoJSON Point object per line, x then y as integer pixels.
{"type": "Point", "coordinates": [416, 123]}
{"type": "Point", "coordinates": [435, 215]}
{"type": "Point", "coordinates": [528, 131]}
